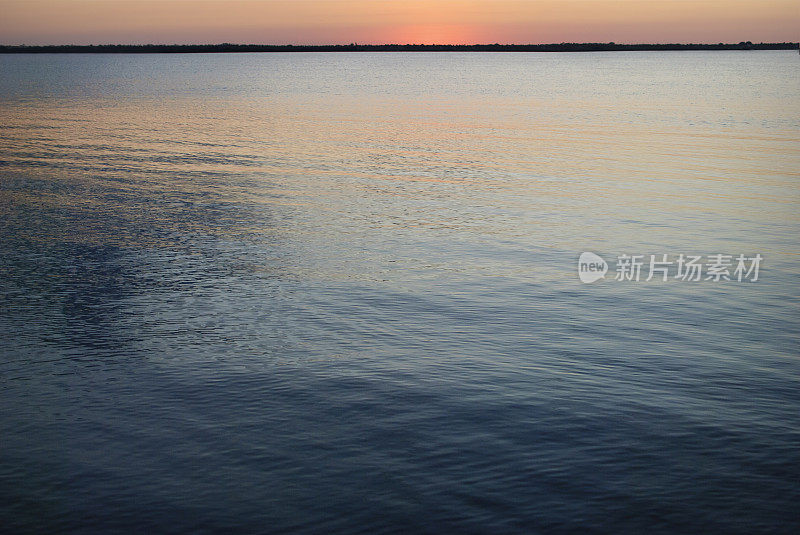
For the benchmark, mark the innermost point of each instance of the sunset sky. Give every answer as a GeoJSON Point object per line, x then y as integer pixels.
{"type": "Point", "coordinates": [396, 21]}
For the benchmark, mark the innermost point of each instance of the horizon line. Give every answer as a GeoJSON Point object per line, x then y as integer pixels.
{"type": "Point", "coordinates": [388, 47]}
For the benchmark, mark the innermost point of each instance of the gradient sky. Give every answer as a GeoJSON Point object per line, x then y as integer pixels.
{"type": "Point", "coordinates": [396, 21]}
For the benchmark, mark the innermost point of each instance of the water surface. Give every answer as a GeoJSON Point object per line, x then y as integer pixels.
{"type": "Point", "coordinates": [338, 293]}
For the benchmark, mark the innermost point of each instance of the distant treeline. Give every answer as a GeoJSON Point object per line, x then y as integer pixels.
{"type": "Point", "coordinates": [354, 47]}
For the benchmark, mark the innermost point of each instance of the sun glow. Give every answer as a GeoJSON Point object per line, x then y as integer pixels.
{"type": "Point", "coordinates": [433, 34]}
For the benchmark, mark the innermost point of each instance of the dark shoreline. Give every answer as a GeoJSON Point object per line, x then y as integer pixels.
{"type": "Point", "coordinates": [228, 48]}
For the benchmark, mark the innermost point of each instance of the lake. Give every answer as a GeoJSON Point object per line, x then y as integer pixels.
{"type": "Point", "coordinates": [340, 293]}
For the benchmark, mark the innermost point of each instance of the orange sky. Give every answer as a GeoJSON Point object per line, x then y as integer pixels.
{"type": "Point", "coordinates": [396, 21]}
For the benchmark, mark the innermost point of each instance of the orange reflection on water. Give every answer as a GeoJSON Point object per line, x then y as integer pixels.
{"type": "Point", "coordinates": [504, 145]}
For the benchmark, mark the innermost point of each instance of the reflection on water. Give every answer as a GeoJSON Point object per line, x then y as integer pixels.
{"type": "Point", "coordinates": [337, 292]}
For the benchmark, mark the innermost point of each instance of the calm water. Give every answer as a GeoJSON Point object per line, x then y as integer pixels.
{"type": "Point", "coordinates": [338, 293]}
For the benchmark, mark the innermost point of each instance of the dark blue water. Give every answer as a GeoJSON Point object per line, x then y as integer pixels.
{"type": "Point", "coordinates": [316, 293]}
